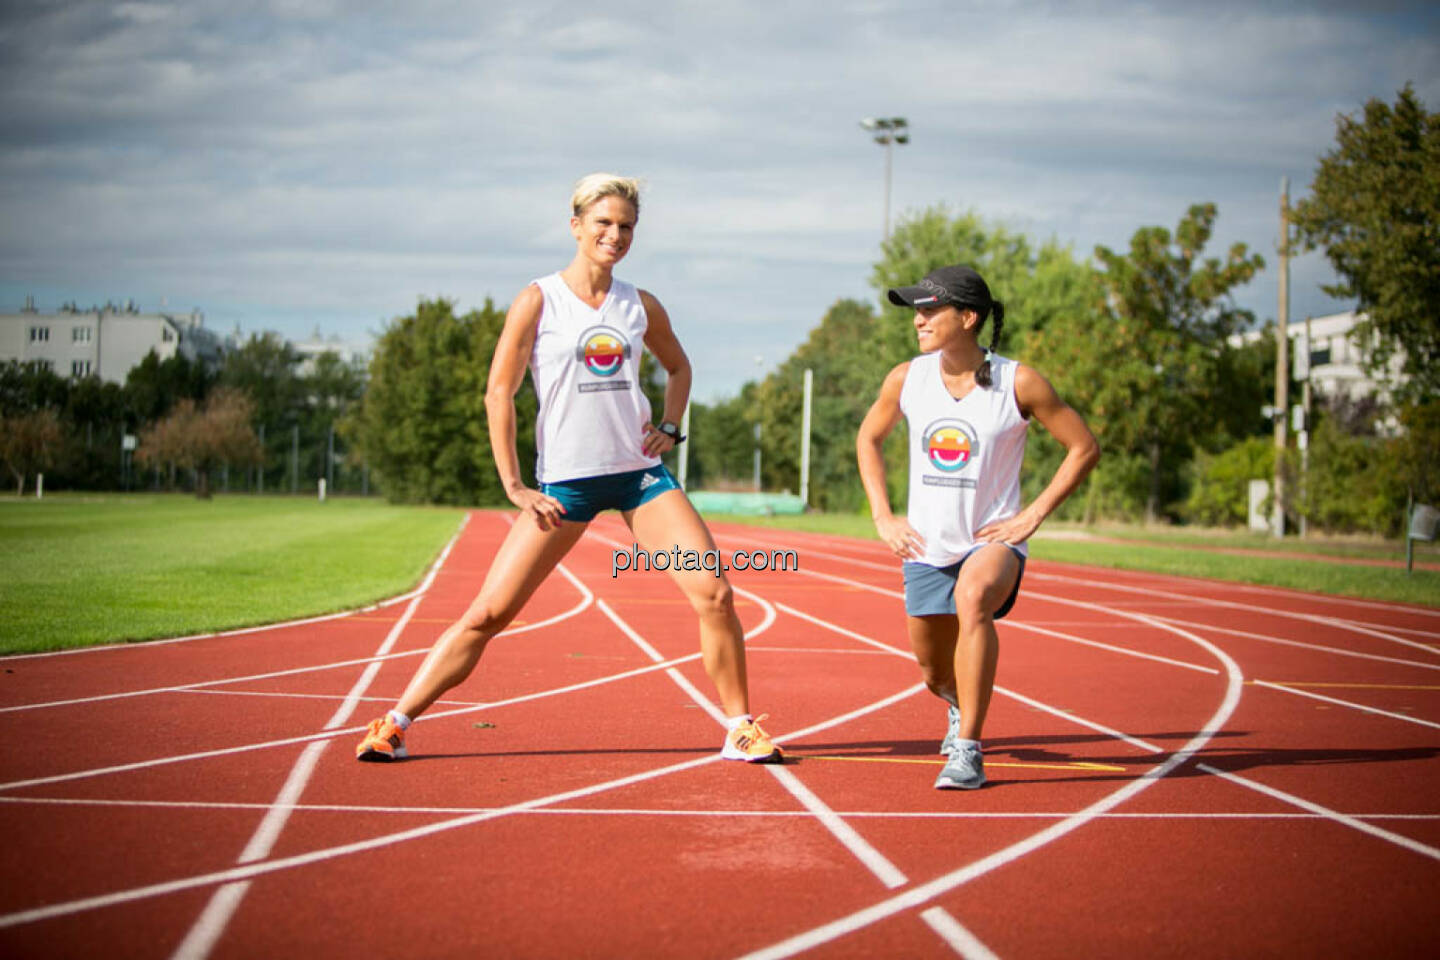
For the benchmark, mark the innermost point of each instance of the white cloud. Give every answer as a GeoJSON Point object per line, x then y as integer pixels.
{"type": "Point", "coordinates": [329, 159]}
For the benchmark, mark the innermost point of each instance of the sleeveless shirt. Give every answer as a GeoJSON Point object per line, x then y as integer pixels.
{"type": "Point", "coordinates": [586, 370]}
{"type": "Point", "coordinates": [965, 456]}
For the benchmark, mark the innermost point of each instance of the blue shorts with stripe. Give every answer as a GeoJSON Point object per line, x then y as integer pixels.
{"type": "Point", "coordinates": [930, 591]}
{"type": "Point", "coordinates": [587, 496]}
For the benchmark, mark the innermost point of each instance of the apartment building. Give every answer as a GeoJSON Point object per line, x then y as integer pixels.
{"type": "Point", "coordinates": [103, 341]}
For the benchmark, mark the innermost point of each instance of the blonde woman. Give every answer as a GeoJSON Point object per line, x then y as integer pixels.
{"type": "Point", "coordinates": [963, 538]}
{"type": "Point", "coordinates": [580, 332]}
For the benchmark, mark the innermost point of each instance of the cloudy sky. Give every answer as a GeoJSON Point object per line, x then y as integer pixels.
{"type": "Point", "coordinates": [300, 164]}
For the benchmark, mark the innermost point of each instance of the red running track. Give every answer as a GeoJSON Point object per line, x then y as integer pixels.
{"type": "Point", "coordinates": [1178, 768]}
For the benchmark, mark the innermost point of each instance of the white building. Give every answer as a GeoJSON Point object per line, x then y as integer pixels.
{"type": "Point", "coordinates": [103, 341]}
{"type": "Point", "coordinates": [355, 356]}
{"type": "Point", "coordinates": [1331, 359]}
{"type": "Point", "coordinates": [1336, 361]}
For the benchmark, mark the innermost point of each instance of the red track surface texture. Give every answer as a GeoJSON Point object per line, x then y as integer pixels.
{"type": "Point", "coordinates": [1178, 768]}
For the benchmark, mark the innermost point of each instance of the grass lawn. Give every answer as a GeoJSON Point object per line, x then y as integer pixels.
{"type": "Point", "coordinates": [79, 569]}
{"type": "Point", "coordinates": [1198, 553]}
{"type": "Point", "coordinates": [84, 569]}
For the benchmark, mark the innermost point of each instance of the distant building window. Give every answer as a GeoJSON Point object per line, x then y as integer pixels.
{"type": "Point", "coordinates": [45, 365]}
{"type": "Point", "coordinates": [39, 334]}
{"type": "Point", "coordinates": [79, 368]}
{"type": "Point", "coordinates": [167, 334]}
{"type": "Point", "coordinates": [1319, 358]}
{"type": "Point", "coordinates": [80, 334]}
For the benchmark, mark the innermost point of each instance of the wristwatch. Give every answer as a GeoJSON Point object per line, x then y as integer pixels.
{"type": "Point", "coordinates": [671, 430]}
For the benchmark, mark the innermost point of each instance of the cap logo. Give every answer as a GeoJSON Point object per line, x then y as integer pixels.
{"type": "Point", "coordinates": [940, 292]}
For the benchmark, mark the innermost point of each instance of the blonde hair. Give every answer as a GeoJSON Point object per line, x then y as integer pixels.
{"type": "Point", "coordinates": [596, 186]}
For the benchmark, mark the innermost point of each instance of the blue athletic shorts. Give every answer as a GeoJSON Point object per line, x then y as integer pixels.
{"type": "Point", "coordinates": [930, 591]}
{"type": "Point", "coordinates": [587, 496]}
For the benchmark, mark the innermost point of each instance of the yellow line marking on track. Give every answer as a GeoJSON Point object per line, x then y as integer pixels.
{"type": "Point", "coordinates": [1076, 765]}
{"type": "Point", "coordinates": [1354, 686]}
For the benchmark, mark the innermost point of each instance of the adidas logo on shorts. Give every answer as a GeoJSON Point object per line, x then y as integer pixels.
{"type": "Point", "coordinates": [648, 481]}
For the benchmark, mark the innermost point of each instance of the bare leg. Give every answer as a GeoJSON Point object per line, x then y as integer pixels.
{"type": "Point", "coordinates": [669, 521]}
{"type": "Point", "coordinates": [932, 639]}
{"type": "Point", "coordinates": [524, 560]}
{"type": "Point", "coordinates": [986, 579]}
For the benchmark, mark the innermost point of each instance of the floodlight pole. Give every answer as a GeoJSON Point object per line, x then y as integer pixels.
{"type": "Point", "coordinates": [888, 131]}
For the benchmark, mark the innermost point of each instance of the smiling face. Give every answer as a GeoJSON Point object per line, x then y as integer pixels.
{"type": "Point", "coordinates": [937, 326]}
{"type": "Point", "coordinates": [604, 229]}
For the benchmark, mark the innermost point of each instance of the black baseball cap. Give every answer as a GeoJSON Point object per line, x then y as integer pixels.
{"type": "Point", "coordinates": [958, 285]}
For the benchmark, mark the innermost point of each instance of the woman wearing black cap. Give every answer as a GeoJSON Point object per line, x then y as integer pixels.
{"type": "Point", "coordinates": [963, 537]}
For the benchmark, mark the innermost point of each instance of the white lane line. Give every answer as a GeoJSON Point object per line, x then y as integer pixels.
{"type": "Point", "coordinates": [331, 734]}
{"type": "Point", "coordinates": [675, 812]}
{"type": "Point", "coordinates": [1113, 649]}
{"type": "Point", "coordinates": [919, 895]}
{"type": "Point", "coordinates": [1346, 703]}
{"type": "Point", "coordinates": [287, 695]}
{"type": "Point", "coordinates": [849, 838]}
{"type": "Point", "coordinates": [247, 871]}
{"type": "Point", "coordinates": [215, 917]}
{"type": "Point", "coordinates": [1004, 691]}
{"type": "Point", "coordinates": [861, 849]}
{"type": "Point", "coordinates": [146, 644]}
{"type": "Point", "coordinates": [1021, 624]}
{"type": "Point", "coordinates": [1355, 626]}
{"type": "Point", "coordinates": [962, 941]}
{"type": "Point", "coordinates": [1319, 648]}
{"type": "Point", "coordinates": [1326, 812]}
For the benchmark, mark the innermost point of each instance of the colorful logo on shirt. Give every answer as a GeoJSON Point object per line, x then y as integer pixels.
{"type": "Point", "coordinates": [603, 351]}
{"type": "Point", "coordinates": [949, 444]}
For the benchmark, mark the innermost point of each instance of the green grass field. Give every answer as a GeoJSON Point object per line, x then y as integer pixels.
{"type": "Point", "coordinates": [78, 570]}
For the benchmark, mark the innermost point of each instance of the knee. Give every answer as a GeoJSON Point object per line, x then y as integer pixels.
{"type": "Point", "coordinates": [971, 603]}
{"type": "Point", "coordinates": [714, 599]}
{"type": "Point", "coordinates": [485, 619]}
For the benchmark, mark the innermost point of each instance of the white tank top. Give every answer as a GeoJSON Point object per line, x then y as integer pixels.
{"type": "Point", "coordinates": [965, 456]}
{"type": "Point", "coordinates": [586, 369]}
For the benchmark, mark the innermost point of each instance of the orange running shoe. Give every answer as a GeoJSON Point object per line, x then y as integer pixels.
{"type": "Point", "coordinates": [383, 742]}
{"type": "Point", "coordinates": [749, 743]}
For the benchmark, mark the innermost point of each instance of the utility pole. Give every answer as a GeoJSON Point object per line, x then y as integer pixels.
{"type": "Point", "coordinates": [1282, 360]}
{"type": "Point", "coordinates": [809, 383]}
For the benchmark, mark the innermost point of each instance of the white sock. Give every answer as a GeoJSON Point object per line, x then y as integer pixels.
{"type": "Point", "coordinates": [967, 743]}
{"type": "Point", "coordinates": [732, 723]}
{"type": "Point", "coordinates": [399, 719]}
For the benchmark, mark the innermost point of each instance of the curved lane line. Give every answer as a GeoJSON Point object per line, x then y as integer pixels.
{"type": "Point", "coordinates": [956, 878]}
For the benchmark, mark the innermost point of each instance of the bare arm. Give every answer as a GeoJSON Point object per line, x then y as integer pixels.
{"type": "Point", "coordinates": [507, 372]}
{"type": "Point", "coordinates": [884, 413]}
{"type": "Point", "coordinates": [1038, 399]}
{"type": "Point", "coordinates": [661, 340]}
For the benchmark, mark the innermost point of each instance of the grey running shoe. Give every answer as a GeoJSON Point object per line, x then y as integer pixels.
{"type": "Point", "coordinates": [952, 732]}
{"type": "Point", "coordinates": [964, 771]}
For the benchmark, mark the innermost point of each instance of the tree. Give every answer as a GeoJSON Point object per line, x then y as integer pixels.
{"type": "Point", "coordinates": [421, 425]}
{"type": "Point", "coordinates": [264, 367]}
{"type": "Point", "coordinates": [201, 438]}
{"type": "Point", "coordinates": [153, 385]}
{"type": "Point", "coordinates": [1375, 208]}
{"type": "Point", "coordinates": [1150, 374]}
{"type": "Point", "coordinates": [29, 442]}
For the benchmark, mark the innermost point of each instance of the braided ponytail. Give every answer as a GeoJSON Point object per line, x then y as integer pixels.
{"type": "Point", "coordinates": [982, 375]}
